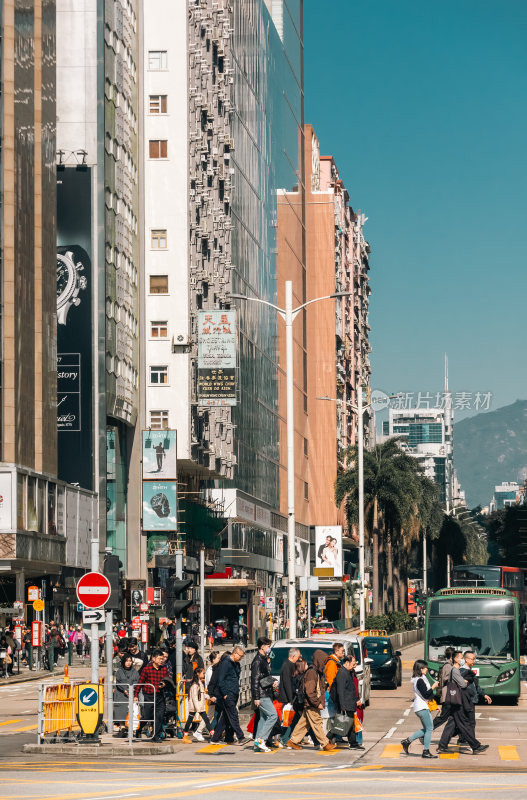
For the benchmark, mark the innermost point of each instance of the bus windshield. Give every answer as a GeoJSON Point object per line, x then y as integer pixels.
{"type": "Point", "coordinates": [491, 638]}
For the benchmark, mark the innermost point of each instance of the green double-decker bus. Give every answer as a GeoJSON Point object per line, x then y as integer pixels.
{"type": "Point", "coordinates": [485, 620]}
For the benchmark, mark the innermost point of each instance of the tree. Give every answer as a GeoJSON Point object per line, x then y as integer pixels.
{"type": "Point", "coordinates": [397, 497]}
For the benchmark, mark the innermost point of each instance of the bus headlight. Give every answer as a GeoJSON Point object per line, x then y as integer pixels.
{"type": "Point", "coordinates": [433, 673]}
{"type": "Point", "coordinates": [505, 676]}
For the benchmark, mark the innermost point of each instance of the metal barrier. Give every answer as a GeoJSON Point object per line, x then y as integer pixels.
{"type": "Point", "coordinates": [56, 710]}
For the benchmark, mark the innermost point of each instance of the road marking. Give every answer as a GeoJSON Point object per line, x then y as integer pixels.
{"type": "Point", "coordinates": [399, 722]}
{"type": "Point", "coordinates": [508, 753]}
{"type": "Point", "coordinates": [25, 728]}
{"type": "Point", "coordinates": [390, 733]}
{"type": "Point", "coordinates": [10, 722]}
{"type": "Point", "coordinates": [405, 714]}
{"type": "Point", "coordinates": [449, 755]}
{"type": "Point", "coordinates": [478, 715]}
{"type": "Point", "coordinates": [392, 751]}
{"type": "Point", "coordinates": [212, 748]}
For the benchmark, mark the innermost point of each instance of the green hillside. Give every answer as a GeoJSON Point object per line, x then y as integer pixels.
{"type": "Point", "coordinates": [490, 448]}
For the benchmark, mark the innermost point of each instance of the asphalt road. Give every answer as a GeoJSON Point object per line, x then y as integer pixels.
{"type": "Point", "coordinates": [382, 771]}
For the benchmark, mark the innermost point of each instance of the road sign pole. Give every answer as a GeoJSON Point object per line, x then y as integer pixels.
{"type": "Point", "coordinates": [109, 670]}
{"type": "Point", "coordinates": [179, 638]}
{"type": "Point", "coordinates": [94, 650]}
{"type": "Point", "coordinates": [308, 607]}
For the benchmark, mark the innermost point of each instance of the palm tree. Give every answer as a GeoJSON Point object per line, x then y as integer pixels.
{"type": "Point", "coordinates": [391, 493]}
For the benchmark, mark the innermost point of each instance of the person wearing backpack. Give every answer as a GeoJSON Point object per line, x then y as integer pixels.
{"type": "Point", "coordinates": [444, 677]}
{"type": "Point", "coordinates": [344, 694]}
{"type": "Point", "coordinates": [313, 688]}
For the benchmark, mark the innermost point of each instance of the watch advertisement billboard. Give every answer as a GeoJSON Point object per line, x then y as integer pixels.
{"type": "Point", "coordinates": [159, 455]}
{"type": "Point", "coordinates": [217, 373]}
{"type": "Point", "coordinates": [74, 326]}
{"type": "Point", "coordinates": [160, 506]}
{"type": "Point", "coordinates": [328, 548]}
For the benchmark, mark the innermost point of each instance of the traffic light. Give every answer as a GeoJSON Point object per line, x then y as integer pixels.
{"type": "Point", "coordinates": [177, 605]}
{"type": "Point", "coordinates": [418, 598]}
{"type": "Point", "coordinates": [112, 570]}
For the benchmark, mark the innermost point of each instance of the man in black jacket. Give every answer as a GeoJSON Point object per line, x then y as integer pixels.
{"type": "Point", "coordinates": [474, 692]}
{"type": "Point", "coordinates": [262, 690]}
{"type": "Point", "coordinates": [287, 689]}
{"type": "Point", "coordinates": [346, 697]}
{"type": "Point", "coordinates": [191, 659]}
{"type": "Point", "coordinates": [228, 692]}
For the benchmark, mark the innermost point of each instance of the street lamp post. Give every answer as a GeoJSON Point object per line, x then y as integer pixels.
{"type": "Point", "coordinates": [360, 408]}
{"type": "Point", "coordinates": [289, 314]}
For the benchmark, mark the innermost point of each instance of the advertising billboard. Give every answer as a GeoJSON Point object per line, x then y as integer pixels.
{"type": "Point", "coordinates": [159, 455]}
{"type": "Point", "coordinates": [217, 374]}
{"type": "Point", "coordinates": [74, 326]}
{"type": "Point", "coordinates": [328, 548]}
{"type": "Point", "coordinates": [160, 506]}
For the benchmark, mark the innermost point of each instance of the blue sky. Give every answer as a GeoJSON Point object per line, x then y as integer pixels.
{"type": "Point", "coordinates": [424, 106]}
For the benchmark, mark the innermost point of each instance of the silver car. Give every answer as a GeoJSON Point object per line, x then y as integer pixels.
{"type": "Point", "coordinates": [354, 646]}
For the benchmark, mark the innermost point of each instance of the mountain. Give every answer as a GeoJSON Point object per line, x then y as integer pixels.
{"type": "Point", "coordinates": [491, 448]}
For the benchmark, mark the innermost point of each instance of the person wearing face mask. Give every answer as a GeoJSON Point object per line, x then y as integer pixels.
{"type": "Point", "coordinates": [262, 690]}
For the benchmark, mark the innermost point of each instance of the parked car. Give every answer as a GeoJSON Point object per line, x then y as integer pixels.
{"type": "Point", "coordinates": [322, 626]}
{"type": "Point", "coordinates": [386, 669]}
{"type": "Point", "coordinates": [354, 645]}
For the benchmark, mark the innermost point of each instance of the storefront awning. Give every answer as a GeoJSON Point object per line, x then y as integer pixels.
{"type": "Point", "coordinates": [229, 583]}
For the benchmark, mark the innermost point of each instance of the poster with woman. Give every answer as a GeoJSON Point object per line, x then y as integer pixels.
{"type": "Point", "coordinates": [328, 548]}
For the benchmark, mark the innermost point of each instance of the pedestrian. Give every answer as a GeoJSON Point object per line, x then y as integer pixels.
{"type": "Point", "coordinates": [313, 688]}
{"type": "Point", "coordinates": [462, 717]}
{"type": "Point", "coordinates": [196, 705]}
{"type": "Point", "coordinates": [423, 692]}
{"type": "Point", "coordinates": [125, 678]}
{"type": "Point", "coordinates": [287, 690]}
{"type": "Point", "coordinates": [228, 692]}
{"type": "Point", "coordinates": [334, 663]}
{"type": "Point", "coordinates": [78, 640]}
{"type": "Point", "coordinates": [346, 699]}
{"type": "Point", "coordinates": [140, 657]}
{"type": "Point", "coordinates": [191, 659]}
{"type": "Point", "coordinates": [263, 687]}
{"type": "Point", "coordinates": [211, 682]}
{"type": "Point", "coordinates": [151, 684]}
{"type": "Point", "coordinates": [474, 692]}
{"type": "Point", "coordinates": [444, 678]}
{"type": "Point", "coordinates": [244, 634]}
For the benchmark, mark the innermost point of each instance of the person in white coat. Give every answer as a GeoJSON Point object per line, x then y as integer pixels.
{"type": "Point", "coordinates": [197, 697]}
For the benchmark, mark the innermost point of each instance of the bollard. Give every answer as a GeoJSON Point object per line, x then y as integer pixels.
{"type": "Point", "coordinates": [30, 657]}
{"type": "Point", "coordinates": [51, 656]}
{"type": "Point", "coordinates": [70, 653]}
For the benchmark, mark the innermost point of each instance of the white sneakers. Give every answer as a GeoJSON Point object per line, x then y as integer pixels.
{"type": "Point", "coordinates": [261, 747]}
{"type": "Point", "coordinates": [198, 736]}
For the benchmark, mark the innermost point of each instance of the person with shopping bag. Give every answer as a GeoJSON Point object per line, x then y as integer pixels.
{"type": "Point", "coordinates": [263, 686]}
{"type": "Point", "coordinates": [344, 695]}
{"type": "Point", "coordinates": [313, 688]}
{"type": "Point", "coordinates": [423, 694]}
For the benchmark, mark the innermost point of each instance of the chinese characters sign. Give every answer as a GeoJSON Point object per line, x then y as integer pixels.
{"type": "Point", "coordinates": [217, 358]}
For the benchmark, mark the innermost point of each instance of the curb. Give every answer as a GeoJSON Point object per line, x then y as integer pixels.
{"type": "Point", "coordinates": [42, 676]}
{"type": "Point", "coordinates": [98, 749]}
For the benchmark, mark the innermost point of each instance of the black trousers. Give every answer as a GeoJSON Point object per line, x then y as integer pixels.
{"type": "Point", "coordinates": [158, 715]}
{"type": "Point", "coordinates": [190, 720]}
{"type": "Point", "coordinates": [460, 719]}
{"type": "Point", "coordinates": [228, 715]}
{"type": "Point", "coordinates": [446, 710]}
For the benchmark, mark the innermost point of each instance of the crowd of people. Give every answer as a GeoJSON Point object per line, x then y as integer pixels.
{"type": "Point", "coordinates": [459, 694]}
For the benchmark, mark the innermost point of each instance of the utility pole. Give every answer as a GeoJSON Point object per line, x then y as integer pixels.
{"type": "Point", "coordinates": [202, 602]}
{"type": "Point", "coordinates": [362, 607]}
{"type": "Point", "coordinates": [94, 649]}
{"type": "Point", "coordinates": [179, 637]}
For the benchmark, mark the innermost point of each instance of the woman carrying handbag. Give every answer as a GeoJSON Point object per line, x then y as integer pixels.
{"type": "Point", "coordinates": [423, 694]}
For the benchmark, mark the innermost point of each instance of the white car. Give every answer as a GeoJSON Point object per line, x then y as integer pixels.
{"type": "Point", "coordinates": [354, 645]}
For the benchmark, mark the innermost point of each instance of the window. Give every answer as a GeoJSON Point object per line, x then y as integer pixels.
{"type": "Point", "coordinates": [306, 448]}
{"type": "Point", "coordinates": [159, 375]}
{"type": "Point", "coordinates": [158, 103]}
{"type": "Point", "coordinates": [157, 59]}
{"type": "Point", "coordinates": [158, 239]}
{"type": "Point", "coordinates": [159, 330]}
{"type": "Point", "coordinates": [158, 284]}
{"type": "Point", "coordinates": [306, 491]}
{"type": "Point", "coordinates": [159, 420]}
{"type": "Point", "coordinates": [157, 148]}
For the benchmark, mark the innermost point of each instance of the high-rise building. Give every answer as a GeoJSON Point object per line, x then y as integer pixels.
{"type": "Point", "coordinates": [508, 493]}
{"type": "Point", "coordinates": [426, 434]}
{"type": "Point", "coordinates": [44, 522]}
{"type": "Point", "coordinates": [213, 174]}
{"type": "Point", "coordinates": [98, 261]}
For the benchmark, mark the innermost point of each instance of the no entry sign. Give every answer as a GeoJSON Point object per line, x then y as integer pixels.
{"type": "Point", "coordinates": [93, 590]}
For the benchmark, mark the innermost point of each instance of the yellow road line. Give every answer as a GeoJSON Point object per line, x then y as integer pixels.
{"type": "Point", "coordinates": [11, 722]}
{"type": "Point", "coordinates": [212, 748]}
{"type": "Point", "coordinates": [25, 728]}
{"type": "Point", "coordinates": [508, 753]}
{"type": "Point", "coordinates": [449, 755]}
{"type": "Point", "coordinates": [392, 751]}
